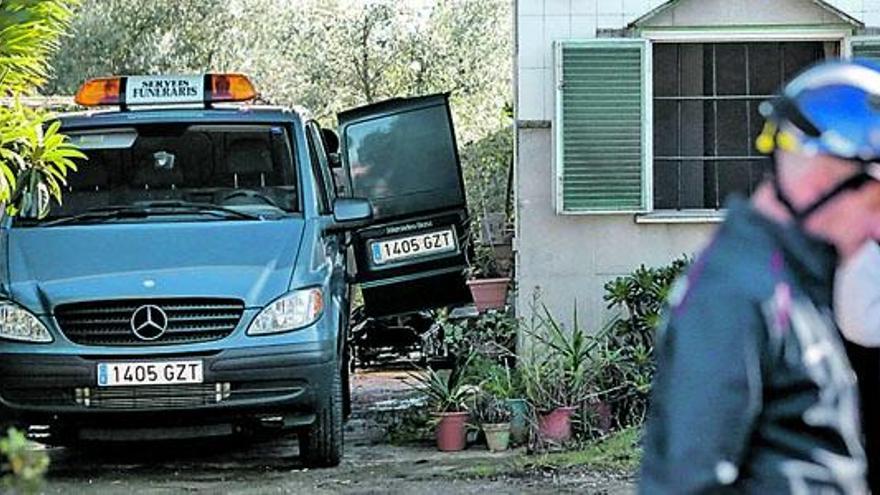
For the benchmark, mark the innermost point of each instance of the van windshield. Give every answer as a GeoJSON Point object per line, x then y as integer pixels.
{"type": "Point", "coordinates": [167, 172]}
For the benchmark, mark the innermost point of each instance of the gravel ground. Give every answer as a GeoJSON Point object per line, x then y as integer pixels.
{"type": "Point", "coordinates": [272, 465]}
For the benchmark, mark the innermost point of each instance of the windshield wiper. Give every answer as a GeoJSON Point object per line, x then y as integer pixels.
{"type": "Point", "coordinates": [99, 214]}
{"type": "Point", "coordinates": [149, 208]}
{"type": "Point", "coordinates": [197, 207]}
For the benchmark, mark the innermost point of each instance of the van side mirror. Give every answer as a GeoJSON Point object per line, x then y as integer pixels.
{"type": "Point", "coordinates": [352, 212]}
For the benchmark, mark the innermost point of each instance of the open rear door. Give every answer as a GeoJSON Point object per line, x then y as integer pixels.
{"type": "Point", "coordinates": [401, 155]}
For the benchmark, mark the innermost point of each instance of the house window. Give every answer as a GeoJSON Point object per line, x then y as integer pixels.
{"type": "Point", "coordinates": [706, 98]}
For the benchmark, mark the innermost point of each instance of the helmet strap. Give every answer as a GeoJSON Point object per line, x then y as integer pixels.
{"type": "Point", "coordinates": [851, 184]}
{"type": "Point", "coordinates": [800, 216]}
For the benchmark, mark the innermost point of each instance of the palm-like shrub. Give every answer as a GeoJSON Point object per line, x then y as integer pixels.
{"type": "Point", "coordinates": [624, 358]}
{"type": "Point", "coordinates": [34, 157]}
{"type": "Point", "coordinates": [558, 371]}
{"type": "Point", "coordinates": [446, 392]}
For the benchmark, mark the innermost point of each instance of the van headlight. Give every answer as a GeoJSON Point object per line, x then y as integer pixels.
{"type": "Point", "coordinates": [17, 323]}
{"type": "Point", "coordinates": [296, 310]}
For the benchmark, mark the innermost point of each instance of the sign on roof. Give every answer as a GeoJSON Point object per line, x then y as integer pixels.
{"type": "Point", "coordinates": [148, 90]}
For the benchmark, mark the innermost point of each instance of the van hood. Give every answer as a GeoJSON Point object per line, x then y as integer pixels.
{"type": "Point", "coordinates": [250, 260]}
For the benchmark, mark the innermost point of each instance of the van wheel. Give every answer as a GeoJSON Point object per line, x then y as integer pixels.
{"type": "Point", "coordinates": [322, 444]}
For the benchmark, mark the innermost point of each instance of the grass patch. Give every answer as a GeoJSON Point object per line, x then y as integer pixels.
{"type": "Point", "coordinates": [619, 451]}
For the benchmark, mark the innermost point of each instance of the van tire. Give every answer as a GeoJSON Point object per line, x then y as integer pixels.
{"type": "Point", "coordinates": [322, 444]}
{"type": "Point", "coordinates": [346, 386]}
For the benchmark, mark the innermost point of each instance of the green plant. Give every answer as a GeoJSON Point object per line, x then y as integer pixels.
{"type": "Point", "coordinates": [484, 264]}
{"type": "Point", "coordinates": [503, 382]}
{"type": "Point", "coordinates": [446, 392]}
{"type": "Point", "coordinates": [624, 359]}
{"type": "Point", "coordinates": [490, 410]}
{"type": "Point", "coordinates": [558, 372]}
{"type": "Point", "coordinates": [545, 386]}
{"type": "Point", "coordinates": [496, 379]}
{"type": "Point", "coordinates": [34, 158]}
{"type": "Point", "coordinates": [492, 334]}
{"type": "Point", "coordinates": [25, 466]}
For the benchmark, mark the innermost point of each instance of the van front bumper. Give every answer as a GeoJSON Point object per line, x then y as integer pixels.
{"type": "Point", "coordinates": [284, 384]}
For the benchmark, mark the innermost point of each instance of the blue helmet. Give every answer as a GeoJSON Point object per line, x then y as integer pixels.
{"type": "Point", "coordinates": [836, 107]}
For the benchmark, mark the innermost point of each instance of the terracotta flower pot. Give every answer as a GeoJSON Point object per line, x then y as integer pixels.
{"type": "Point", "coordinates": [497, 436]}
{"type": "Point", "coordinates": [489, 293]}
{"type": "Point", "coordinates": [451, 431]}
{"type": "Point", "coordinates": [519, 420]}
{"type": "Point", "coordinates": [556, 424]}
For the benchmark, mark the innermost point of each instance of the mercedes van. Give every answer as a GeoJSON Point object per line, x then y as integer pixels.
{"type": "Point", "coordinates": [196, 279]}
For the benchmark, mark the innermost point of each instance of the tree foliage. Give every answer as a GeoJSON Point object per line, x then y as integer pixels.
{"type": "Point", "coordinates": [29, 32]}
{"type": "Point", "coordinates": [34, 159]}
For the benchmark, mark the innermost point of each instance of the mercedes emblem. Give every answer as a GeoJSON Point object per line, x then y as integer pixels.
{"type": "Point", "coordinates": [149, 322]}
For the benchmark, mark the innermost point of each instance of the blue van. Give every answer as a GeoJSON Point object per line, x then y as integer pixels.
{"type": "Point", "coordinates": [196, 280]}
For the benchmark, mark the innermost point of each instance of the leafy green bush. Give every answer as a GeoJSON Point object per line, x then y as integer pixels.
{"type": "Point", "coordinates": [23, 467]}
{"type": "Point", "coordinates": [624, 358]}
{"type": "Point", "coordinates": [486, 167]}
{"type": "Point", "coordinates": [498, 379]}
{"type": "Point", "coordinates": [34, 159]}
{"type": "Point", "coordinates": [491, 334]}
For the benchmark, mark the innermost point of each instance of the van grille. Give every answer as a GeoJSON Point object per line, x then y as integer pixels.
{"type": "Point", "coordinates": [153, 396]}
{"type": "Point", "coordinates": [178, 395]}
{"type": "Point", "coordinates": [108, 323]}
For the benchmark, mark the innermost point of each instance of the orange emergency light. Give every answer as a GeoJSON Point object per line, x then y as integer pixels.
{"type": "Point", "coordinates": [163, 90]}
{"type": "Point", "coordinates": [230, 87]}
{"type": "Point", "coordinates": [100, 91]}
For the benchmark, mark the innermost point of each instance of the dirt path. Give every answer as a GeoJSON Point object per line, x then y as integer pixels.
{"type": "Point", "coordinates": [272, 465]}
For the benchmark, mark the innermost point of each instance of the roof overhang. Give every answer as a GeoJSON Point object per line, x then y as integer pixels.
{"type": "Point", "coordinates": [645, 20]}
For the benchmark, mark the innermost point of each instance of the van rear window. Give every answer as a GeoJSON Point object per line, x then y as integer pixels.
{"type": "Point", "coordinates": [235, 166]}
{"type": "Point", "coordinates": [405, 162]}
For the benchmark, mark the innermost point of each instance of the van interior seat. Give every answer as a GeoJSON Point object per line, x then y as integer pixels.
{"type": "Point", "coordinates": [88, 186]}
{"type": "Point", "coordinates": [249, 162]}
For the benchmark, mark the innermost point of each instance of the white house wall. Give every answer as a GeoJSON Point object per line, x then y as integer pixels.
{"type": "Point", "coordinates": [571, 257]}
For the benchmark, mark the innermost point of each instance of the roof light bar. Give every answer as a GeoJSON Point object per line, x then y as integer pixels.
{"type": "Point", "coordinates": [163, 90]}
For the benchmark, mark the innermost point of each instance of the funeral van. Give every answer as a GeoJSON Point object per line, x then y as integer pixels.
{"type": "Point", "coordinates": [196, 279]}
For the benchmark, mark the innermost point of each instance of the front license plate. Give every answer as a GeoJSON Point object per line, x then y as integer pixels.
{"type": "Point", "coordinates": [149, 373]}
{"type": "Point", "coordinates": [415, 246]}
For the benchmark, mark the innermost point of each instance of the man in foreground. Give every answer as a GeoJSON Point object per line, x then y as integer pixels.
{"type": "Point", "coordinates": [754, 391]}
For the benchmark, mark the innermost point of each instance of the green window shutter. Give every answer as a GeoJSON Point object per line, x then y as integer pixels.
{"type": "Point", "coordinates": [866, 47]}
{"type": "Point", "coordinates": [602, 144]}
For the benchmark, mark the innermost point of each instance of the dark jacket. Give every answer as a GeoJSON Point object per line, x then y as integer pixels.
{"type": "Point", "coordinates": [754, 392]}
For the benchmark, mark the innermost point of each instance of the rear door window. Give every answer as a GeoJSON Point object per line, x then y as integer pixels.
{"type": "Point", "coordinates": [405, 162]}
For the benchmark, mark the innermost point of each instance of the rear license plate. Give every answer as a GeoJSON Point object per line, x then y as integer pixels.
{"type": "Point", "coordinates": [414, 246]}
{"type": "Point", "coordinates": [149, 373]}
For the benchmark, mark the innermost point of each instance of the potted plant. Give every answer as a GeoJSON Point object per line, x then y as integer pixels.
{"type": "Point", "coordinates": [558, 375]}
{"type": "Point", "coordinates": [493, 415]}
{"type": "Point", "coordinates": [505, 383]}
{"type": "Point", "coordinates": [448, 395]}
{"type": "Point", "coordinates": [487, 283]}
{"type": "Point", "coordinates": [551, 399]}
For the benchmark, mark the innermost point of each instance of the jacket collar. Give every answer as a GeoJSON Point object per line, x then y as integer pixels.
{"type": "Point", "coordinates": [807, 253]}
